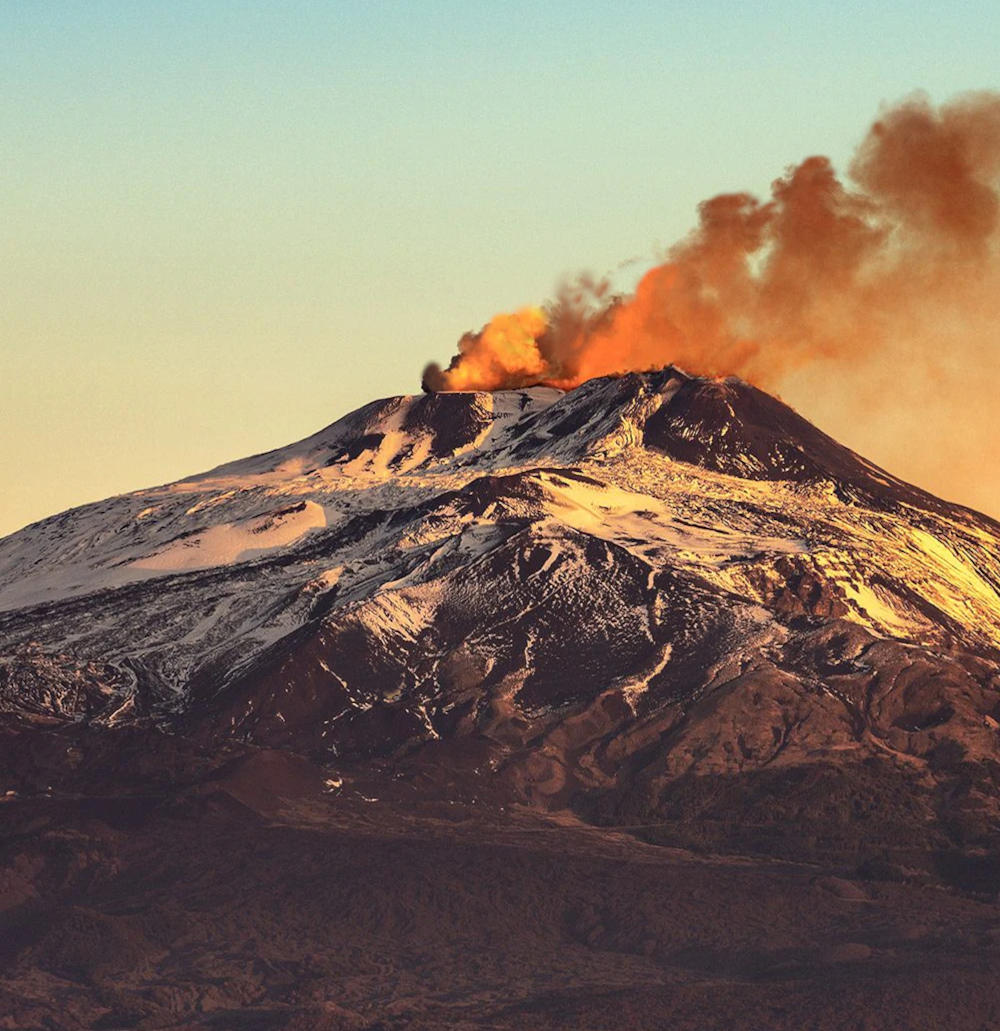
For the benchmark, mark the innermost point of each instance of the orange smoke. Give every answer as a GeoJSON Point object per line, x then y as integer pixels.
{"type": "Point", "coordinates": [506, 351]}
{"type": "Point", "coordinates": [820, 271]}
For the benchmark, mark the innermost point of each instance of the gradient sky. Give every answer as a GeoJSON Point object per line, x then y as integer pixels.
{"type": "Point", "coordinates": [225, 224]}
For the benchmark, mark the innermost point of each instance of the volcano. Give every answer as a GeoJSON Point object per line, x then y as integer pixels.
{"type": "Point", "coordinates": [645, 704]}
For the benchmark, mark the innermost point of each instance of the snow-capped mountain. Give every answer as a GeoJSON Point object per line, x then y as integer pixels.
{"type": "Point", "coordinates": [597, 592]}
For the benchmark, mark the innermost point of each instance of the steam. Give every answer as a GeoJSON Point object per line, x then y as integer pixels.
{"type": "Point", "coordinates": [889, 279]}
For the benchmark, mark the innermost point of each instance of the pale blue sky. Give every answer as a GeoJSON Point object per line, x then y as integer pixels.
{"type": "Point", "coordinates": [226, 224]}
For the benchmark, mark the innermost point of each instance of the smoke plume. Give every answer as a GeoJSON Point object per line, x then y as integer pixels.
{"type": "Point", "coordinates": [889, 278]}
{"type": "Point", "coordinates": [820, 270]}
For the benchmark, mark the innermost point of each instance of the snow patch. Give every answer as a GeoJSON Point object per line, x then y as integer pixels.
{"type": "Point", "coordinates": [236, 542]}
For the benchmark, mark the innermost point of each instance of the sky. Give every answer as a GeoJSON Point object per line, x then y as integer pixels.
{"type": "Point", "coordinates": [226, 224]}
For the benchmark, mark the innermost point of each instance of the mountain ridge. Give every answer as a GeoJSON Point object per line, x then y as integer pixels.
{"type": "Point", "coordinates": [520, 417]}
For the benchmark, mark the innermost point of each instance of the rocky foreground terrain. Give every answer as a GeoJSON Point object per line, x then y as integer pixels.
{"type": "Point", "coordinates": [645, 705]}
